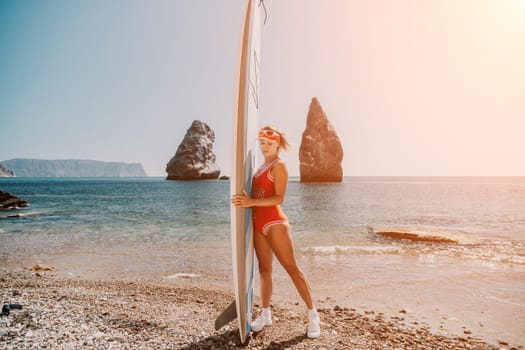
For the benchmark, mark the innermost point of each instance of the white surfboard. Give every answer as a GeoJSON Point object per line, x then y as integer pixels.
{"type": "Point", "coordinates": [245, 126]}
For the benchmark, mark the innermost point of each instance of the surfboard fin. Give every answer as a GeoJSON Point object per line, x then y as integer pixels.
{"type": "Point", "coordinates": [229, 314]}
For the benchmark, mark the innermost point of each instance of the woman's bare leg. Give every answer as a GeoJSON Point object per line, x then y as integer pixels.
{"type": "Point", "coordinates": [264, 253]}
{"type": "Point", "coordinates": [280, 240]}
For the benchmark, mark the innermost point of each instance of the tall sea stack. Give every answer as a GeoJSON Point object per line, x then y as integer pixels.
{"type": "Point", "coordinates": [194, 159]}
{"type": "Point", "coordinates": [321, 153]}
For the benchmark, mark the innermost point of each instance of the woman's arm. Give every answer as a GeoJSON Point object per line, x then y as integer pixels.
{"type": "Point", "coordinates": [280, 178]}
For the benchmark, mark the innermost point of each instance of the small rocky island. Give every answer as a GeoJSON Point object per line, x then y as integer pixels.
{"type": "Point", "coordinates": [321, 152]}
{"type": "Point", "coordinates": [194, 159]}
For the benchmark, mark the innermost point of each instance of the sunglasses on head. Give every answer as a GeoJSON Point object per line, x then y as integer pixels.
{"type": "Point", "coordinates": [269, 133]}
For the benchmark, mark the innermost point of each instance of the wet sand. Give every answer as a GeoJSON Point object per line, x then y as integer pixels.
{"type": "Point", "coordinates": [64, 311]}
{"type": "Point", "coordinates": [451, 295]}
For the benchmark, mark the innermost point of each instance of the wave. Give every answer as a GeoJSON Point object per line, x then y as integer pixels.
{"type": "Point", "coordinates": [428, 235]}
{"type": "Point", "coordinates": [342, 250]}
{"type": "Point", "coordinates": [429, 242]}
{"type": "Point", "coordinates": [19, 214]}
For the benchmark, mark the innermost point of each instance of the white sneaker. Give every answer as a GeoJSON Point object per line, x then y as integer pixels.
{"type": "Point", "coordinates": [314, 324]}
{"type": "Point", "coordinates": [260, 322]}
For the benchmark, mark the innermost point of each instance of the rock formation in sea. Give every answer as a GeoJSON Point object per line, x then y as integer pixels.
{"type": "Point", "coordinates": [5, 171]}
{"type": "Point", "coordinates": [321, 152]}
{"type": "Point", "coordinates": [194, 159]}
{"type": "Point", "coordinates": [73, 168]}
{"type": "Point", "coordinates": [8, 201]}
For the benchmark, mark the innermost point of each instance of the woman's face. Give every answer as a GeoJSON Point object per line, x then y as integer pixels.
{"type": "Point", "coordinates": [268, 148]}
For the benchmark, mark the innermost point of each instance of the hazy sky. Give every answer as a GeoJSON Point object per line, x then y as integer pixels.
{"type": "Point", "coordinates": [429, 87]}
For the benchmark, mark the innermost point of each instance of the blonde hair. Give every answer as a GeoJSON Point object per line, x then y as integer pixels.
{"type": "Point", "coordinates": [283, 143]}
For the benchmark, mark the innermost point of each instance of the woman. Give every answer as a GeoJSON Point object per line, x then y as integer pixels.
{"type": "Point", "coordinates": [272, 230]}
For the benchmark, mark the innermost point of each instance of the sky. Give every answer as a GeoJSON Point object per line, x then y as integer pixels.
{"type": "Point", "coordinates": [412, 88]}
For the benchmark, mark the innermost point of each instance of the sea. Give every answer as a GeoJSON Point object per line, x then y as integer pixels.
{"type": "Point", "coordinates": [449, 250]}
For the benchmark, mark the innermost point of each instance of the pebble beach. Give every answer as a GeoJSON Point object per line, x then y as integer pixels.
{"type": "Point", "coordinates": [66, 313]}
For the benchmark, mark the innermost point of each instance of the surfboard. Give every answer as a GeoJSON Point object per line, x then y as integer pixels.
{"type": "Point", "coordinates": [244, 150]}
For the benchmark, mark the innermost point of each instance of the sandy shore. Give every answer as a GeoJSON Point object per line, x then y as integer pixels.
{"type": "Point", "coordinates": [72, 313]}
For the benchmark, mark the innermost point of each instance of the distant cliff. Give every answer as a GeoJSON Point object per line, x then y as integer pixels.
{"type": "Point", "coordinates": [6, 172]}
{"type": "Point", "coordinates": [72, 168]}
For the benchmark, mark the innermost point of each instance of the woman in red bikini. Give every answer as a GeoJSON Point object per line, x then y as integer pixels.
{"type": "Point", "coordinates": [272, 230]}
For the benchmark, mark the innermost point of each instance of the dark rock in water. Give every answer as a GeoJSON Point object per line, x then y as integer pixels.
{"type": "Point", "coordinates": [224, 177]}
{"type": "Point", "coordinates": [8, 201]}
{"type": "Point", "coordinates": [73, 168]}
{"type": "Point", "coordinates": [416, 237]}
{"type": "Point", "coordinates": [321, 152]}
{"type": "Point", "coordinates": [5, 171]}
{"type": "Point", "coordinates": [194, 159]}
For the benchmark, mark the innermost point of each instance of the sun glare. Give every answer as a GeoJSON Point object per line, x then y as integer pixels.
{"type": "Point", "coordinates": [519, 6]}
{"type": "Point", "coordinates": [515, 11]}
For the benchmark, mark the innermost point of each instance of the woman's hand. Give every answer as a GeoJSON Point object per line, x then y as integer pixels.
{"type": "Point", "coordinates": [242, 201]}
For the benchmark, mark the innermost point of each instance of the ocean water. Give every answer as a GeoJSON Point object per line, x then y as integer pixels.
{"type": "Point", "coordinates": [485, 216]}
{"type": "Point", "coordinates": [178, 231]}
